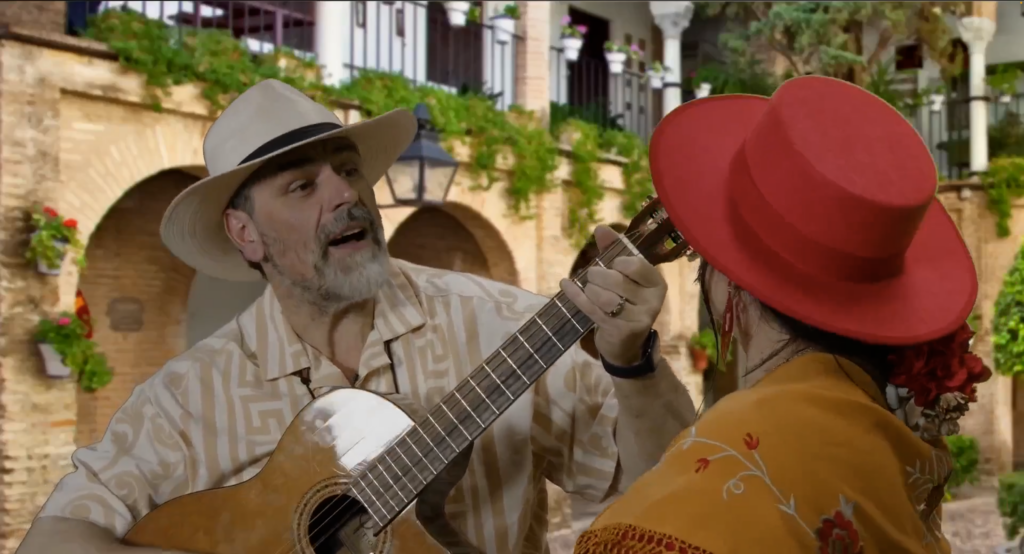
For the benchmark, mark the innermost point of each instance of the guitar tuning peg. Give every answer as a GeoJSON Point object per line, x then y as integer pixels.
{"type": "Point", "coordinates": [648, 200]}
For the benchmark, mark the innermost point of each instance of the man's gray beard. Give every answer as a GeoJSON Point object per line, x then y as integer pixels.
{"type": "Point", "coordinates": [356, 278]}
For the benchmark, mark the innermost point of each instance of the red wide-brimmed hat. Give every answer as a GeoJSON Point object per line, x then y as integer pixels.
{"type": "Point", "coordinates": [820, 202]}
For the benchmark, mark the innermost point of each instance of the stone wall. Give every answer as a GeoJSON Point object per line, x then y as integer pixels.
{"type": "Point", "coordinates": [38, 16]}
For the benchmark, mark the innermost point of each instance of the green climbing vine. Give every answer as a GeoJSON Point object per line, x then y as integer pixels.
{"type": "Point", "coordinates": [1004, 182]}
{"type": "Point", "coordinates": [515, 141]}
{"type": "Point", "coordinates": [1008, 322]}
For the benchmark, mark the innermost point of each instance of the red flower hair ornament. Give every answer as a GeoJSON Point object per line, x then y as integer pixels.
{"type": "Point", "coordinates": [932, 383]}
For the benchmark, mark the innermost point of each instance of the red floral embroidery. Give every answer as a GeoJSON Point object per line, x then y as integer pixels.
{"type": "Point", "coordinates": [837, 533]}
{"type": "Point", "coordinates": [751, 442]}
{"type": "Point", "coordinates": [702, 464]}
{"type": "Point", "coordinates": [622, 538]}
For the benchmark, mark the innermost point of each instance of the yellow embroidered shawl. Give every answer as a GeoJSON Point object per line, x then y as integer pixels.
{"type": "Point", "coordinates": [808, 460]}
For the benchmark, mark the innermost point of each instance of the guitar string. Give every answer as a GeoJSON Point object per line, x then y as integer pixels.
{"type": "Point", "coordinates": [348, 500]}
{"type": "Point", "coordinates": [616, 250]}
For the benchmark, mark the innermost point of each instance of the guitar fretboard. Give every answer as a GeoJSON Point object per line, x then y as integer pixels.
{"type": "Point", "coordinates": [393, 480]}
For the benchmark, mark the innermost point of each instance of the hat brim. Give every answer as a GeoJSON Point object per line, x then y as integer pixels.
{"type": "Point", "coordinates": [193, 225]}
{"type": "Point", "coordinates": [690, 155]}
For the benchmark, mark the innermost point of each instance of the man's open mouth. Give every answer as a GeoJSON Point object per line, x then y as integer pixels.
{"type": "Point", "coordinates": [353, 235]}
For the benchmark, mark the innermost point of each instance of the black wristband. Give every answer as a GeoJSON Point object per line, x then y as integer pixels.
{"type": "Point", "coordinates": [644, 367]}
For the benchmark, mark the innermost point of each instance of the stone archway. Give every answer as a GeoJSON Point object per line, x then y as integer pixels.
{"type": "Point", "coordinates": [137, 293]}
{"type": "Point", "coordinates": [457, 238]}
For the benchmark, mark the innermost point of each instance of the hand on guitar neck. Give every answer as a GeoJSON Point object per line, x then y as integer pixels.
{"type": "Point", "coordinates": [72, 536]}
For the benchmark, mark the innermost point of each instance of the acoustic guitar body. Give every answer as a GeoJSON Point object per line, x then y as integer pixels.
{"type": "Point", "coordinates": [300, 501]}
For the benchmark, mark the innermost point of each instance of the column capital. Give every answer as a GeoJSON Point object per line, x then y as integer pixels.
{"type": "Point", "coordinates": [976, 32]}
{"type": "Point", "coordinates": [672, 17]}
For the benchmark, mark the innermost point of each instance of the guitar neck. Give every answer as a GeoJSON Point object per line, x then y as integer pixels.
{"type": "Point", "coordinates": [391, 481]}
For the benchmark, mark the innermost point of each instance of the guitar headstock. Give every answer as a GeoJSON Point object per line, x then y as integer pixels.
{"type": "Point", "coordinates": [656, 238]}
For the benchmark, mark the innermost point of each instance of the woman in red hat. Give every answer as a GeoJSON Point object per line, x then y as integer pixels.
{"type": "Point", "coordinates": [845, 287]}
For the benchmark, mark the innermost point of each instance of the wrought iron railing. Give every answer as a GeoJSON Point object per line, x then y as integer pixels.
{"type": "Point", "coordinates": [585, 89]}
{"type": "Point", "coordinates": [416, 40]}
{"type": "Point", "coordinates": [943, 120]}
{"type": "Point", "coordinates": [413, 39]}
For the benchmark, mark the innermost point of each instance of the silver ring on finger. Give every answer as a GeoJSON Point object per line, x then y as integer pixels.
{"type": "Point", "coordinates": [618, 308]}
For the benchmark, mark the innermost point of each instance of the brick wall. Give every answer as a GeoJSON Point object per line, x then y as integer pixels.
{"type": "Point", "coordinates": [127, 261]}
{"type": "Point", "coordinates": [42, 16]}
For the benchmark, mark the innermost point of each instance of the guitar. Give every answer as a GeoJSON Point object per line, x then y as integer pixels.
{"type": "Point", "coordinates": [337, 487]}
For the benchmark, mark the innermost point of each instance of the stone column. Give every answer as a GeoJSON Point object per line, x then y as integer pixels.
{"type": "Point", "coordinates": [533, 71]}
{"type": "Point", "coordinates": [673, 18]}
{"type": "Point", "coordinates": [329, 40]}
{"type": "Point", "coordinates": [977, 33]}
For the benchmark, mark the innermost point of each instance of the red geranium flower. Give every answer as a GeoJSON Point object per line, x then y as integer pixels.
{"type": "Point", "coordinates": [702, 464]}
{"type": "Point", "coordinates": [50, 212]}
{"type": "Point", "coordinates": [751, 442]}
{"type": "Point", "coordinates": [943, 365]}
{"type": "Point", "coordinates": [71, 223]}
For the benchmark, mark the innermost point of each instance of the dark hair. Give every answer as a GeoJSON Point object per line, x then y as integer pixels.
{"type": "Point", "coordinates": [872, 358]}
{"type": "Point", "coordinates": [242, 200]}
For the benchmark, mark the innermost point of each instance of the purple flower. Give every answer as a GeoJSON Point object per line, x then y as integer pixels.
{"type": "Point", "coordinates": [566, 20]}
{"type": "Point", "coordinates": [582, 29]}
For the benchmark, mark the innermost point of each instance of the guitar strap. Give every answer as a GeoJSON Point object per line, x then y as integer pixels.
{"type": "Point", "coordinates": [304, 376]}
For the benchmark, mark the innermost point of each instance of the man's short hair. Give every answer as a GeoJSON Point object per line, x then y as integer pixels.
{"type": "Point", "coordinates": [243, 201]}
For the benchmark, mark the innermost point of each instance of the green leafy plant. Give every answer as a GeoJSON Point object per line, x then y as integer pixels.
{"type": "Point", "coordinates": [965, 453]}
{"type": "Point", "coordinates": [1004, 80]}
{"type": "Point", "coordinates": [67, 335]}
{"type": "Point", "coordinates": [511, 11]}
{"type": "Point", "coordinates": [473, 15]}
{"type": "Point", "coordinates": [54, 237]}
{"type": "Point", "coordinates": [656, 68]}
{"type": "Point", "coordinates": [1011, 503]}
{"type": "Point", "coordinates": [1004, 182]}
{"type": "Point", "coordinates": [705, 345]}
{"type": "Point", "coordinates": [513, 146]}
{"type": "Point", "coordinates": [633, 51]}
{"type": "Point", "coordinates": [570, 30]}
{"type": "Point", "coordinates": [1008, 321]}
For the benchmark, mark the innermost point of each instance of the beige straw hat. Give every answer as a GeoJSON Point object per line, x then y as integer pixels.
{"type": "Point", "coordinates": [268, 119]}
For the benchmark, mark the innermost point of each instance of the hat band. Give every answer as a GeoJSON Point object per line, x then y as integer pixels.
{"type": "Point", "coordinates": [758, 223]}
{"type": "Point", "coordinates": [290, 138]}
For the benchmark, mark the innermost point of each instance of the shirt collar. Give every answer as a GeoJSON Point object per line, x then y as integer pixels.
{"type": "Point", "coordinates": [279, 351]}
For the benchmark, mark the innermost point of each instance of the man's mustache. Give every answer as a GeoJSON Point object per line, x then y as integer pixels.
{"type": "Point", "coordinates": [357, 214]}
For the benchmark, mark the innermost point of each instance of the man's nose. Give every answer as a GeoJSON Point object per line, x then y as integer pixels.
{"type": "Point", "coordinates": [337, 191]}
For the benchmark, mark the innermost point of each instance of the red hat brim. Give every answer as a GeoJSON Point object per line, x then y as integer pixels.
{"type": "Point", "coordinates": [690, 156]}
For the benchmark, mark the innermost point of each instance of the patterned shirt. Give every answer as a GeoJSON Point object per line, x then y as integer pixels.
{"type": "Point", "coordinates": [212, 416]}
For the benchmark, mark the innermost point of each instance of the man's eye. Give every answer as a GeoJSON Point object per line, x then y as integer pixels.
{"type": "Point", "coordinates": [300, 186]}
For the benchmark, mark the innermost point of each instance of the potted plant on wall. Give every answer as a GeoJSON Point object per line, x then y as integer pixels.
{"type": "Point", "coordinates": [572, 39]}
{"type": "Point", "coordinates": [702, 349]}
{"type": "Point", "coordinates": [505, 23]}
{"type": "Point", "coordinates": [457, 13]}
{"type": "Point", "coordinates": [656, 75]}
{"type": "Point", "coordinates": [1004, 83]}
{"type": "Point", "coordinates": [616, 54]}
{"type": "Point", "coordinates": [54, 237]}
{"type": "Point", "coordinates": [67, 352]}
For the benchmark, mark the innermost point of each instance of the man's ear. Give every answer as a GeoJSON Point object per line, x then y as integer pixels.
{"type": "Point", "coordinates": [241, 229]}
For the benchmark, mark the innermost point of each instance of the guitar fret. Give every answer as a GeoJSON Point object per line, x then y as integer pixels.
{"type": "Point", "coordinates": [528, 347]}
{"type": "Point", "coordinates": [491, 373]}
{"type": "Point", "coordinates": [557, 301]}
{"type": "Point", "coordinates": [542, 326]}
{"type": "Point", "coordinates": [431, 443]}
{"type": "Point", "coordinates": [481, 393]}
{"type": "Point", "coordinates": [368, 507]}
{"type": "Point", "coordinates": [369, 473]}
{"type": "Point", "coordinates": [401, 474]}
{"type": "Point", "coordinates": [411, 465]}
{"type": "Point", "coordinates": [373, 497]}
{"type": "Point", "coordinates": [470, 410]}
{"type": "Point", "coordinates": [420, 454]}
{"type": "Point", "coordinates": [511, 363]}
{"type": "Point", "coordinates": [445, 435]}
{"type": "Point", "coordinates": [457, 424]}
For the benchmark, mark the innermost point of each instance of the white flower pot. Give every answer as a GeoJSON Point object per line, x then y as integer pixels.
{"type": "Point", "coordinates": [41, 266]}
{"type": "Point", "coordinates": [457, 12]}
{"type": "Point", "coordinates": [571, 48]}
{"type": "Point", "coordinates": [504, 28]}
{"type": "Point", "coordinates": [53, 363]}
{"type": "Point", "coordinates": [936, 101]}
{"type": "Point", "coordinates": [703, 91]}
{"type": "Point", "coordinates": [1005, 98]}
{"type": "Point", "coordinates": [656, 79]}
{"type": "Point", "coordinates": [616, 61]}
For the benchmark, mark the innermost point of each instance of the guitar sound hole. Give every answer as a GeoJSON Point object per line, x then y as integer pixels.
{"type": "Point", "coordinates": [340, 524]}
